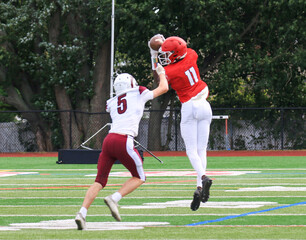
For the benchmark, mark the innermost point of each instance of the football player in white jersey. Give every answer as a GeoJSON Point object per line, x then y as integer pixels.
{"type": "Point", "coordinates": [126, 110]}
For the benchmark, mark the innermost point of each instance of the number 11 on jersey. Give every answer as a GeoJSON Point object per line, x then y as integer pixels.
{"type": "Point", "coordinates": [192, 76]}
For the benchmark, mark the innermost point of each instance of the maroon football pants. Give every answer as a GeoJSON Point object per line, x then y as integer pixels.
{"type": "Point", "coordinates": [119, 147]}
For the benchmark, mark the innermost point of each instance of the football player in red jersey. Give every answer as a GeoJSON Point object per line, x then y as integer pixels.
{"type": "Point", "coordinates": [126, 110]}
{"type": "Point", "coordinates": [183, 76]}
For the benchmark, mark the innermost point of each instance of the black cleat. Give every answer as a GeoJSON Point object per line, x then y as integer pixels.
{"type": "Point", "coordinates": [195, 204]}
{"type": "Point", "coordinates": [206, 183]}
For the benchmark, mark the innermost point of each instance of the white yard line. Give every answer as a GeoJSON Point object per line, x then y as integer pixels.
{"type": "Point", "coordinates": [141, 215]}
{"type": "Point", "coordinates": [233, 178]}
{"type": "Point", "coordinates": [158, 169]}
{"type": "Point", "coordinates": [152, 197]}
{"type": "Point", "coordinates": [159, 184]}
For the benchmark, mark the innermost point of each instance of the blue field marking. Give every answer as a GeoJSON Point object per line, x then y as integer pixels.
{"type": "Point", "coordinates": [244, 214]}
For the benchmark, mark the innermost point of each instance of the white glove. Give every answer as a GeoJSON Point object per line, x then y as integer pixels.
{"type": "Point", "coordinates": [160, 35]}
{"type": "Point", "coordinates": [154, 53]}
{"type": "Point", "coordinates": [160, 69]}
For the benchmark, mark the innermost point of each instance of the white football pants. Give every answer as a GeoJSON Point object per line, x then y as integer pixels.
{"type": "Point", "coordinates": [196, 116]}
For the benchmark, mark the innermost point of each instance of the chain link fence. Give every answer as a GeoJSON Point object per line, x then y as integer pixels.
{"type": "Point", "coordinates": [231, 129]}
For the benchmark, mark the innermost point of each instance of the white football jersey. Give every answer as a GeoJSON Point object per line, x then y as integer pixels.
{"type": "Point", "coordinates": [126, 110]}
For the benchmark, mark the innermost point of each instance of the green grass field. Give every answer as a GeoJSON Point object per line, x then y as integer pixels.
{"type": "Point", "coordinates": [251, 198]}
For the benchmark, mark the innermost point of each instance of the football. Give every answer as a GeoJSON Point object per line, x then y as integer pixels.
{"type": "Point", "coordinates": [156, 42]}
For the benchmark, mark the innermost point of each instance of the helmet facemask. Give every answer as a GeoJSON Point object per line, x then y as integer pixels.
{"type": "Point", "coordinates": [172, 50]}
{"type": "Point", "coordinates": [164, 57]}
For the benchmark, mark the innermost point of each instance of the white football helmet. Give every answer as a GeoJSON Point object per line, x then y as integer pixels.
{"type": "Point", "coordinates": [124, 82]}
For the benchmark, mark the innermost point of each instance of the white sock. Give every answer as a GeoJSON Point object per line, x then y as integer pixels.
{"type": "Point", "coordinates": [116, 196]}
{"type": "Point", "coordinates": [83, 211]}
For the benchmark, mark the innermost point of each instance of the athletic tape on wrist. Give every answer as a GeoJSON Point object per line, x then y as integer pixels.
{"type": "Point", "coordinates": [154, 63]}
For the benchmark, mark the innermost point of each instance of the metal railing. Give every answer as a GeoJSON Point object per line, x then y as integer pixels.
{"type": "Point", "coordinates": [244, 129]}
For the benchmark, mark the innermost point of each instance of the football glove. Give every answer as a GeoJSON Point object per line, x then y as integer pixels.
{"type": "Point", "coordinates": [153, 52]}
{"type": "Point", "coordinates": [160, 69]}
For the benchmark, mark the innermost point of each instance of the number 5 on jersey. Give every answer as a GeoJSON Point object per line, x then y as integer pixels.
{"type": "Point", "coordinates": [122, 104]}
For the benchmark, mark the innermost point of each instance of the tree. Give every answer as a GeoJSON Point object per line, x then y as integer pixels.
{"type": "Point", "coordinates": [261, 63]}
{"type": "Point", "coordinates": [250, 53]}
{"type": "Point", "coordinates": [56, 55]}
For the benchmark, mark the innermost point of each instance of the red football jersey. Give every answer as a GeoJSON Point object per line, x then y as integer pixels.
{"type": "Point", "coordinates": [184, 76]}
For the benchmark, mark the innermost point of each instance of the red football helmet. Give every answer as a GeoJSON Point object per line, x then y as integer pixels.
{"type": "Point", "coordinates": [172, 50]}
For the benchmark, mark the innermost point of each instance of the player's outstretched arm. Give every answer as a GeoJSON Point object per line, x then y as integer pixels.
{"type": "Point", "coordinates": [155, 77]}
{"type": "Point", "coordinates": [163, 86]}
{"type": "Point", "coordinates": [154, 45]}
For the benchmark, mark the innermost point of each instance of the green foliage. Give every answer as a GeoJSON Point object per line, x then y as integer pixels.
{"type": "Point", "coordinates": [267, 62]}
{"type": "Point", "coordinates": [48, 64]}
{"type": "Point", "coordinates": [250, 53]}
{"type": "Point", "coordinates": [6, 117]}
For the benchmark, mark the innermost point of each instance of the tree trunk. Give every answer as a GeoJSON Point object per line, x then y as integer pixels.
{"type": "Point", "coordinates": [170, 123]}
{"type": "Point", "coordinates": [101, 90]}
{"type": "Point", "coordinates": [21, 100]}
{"type": "Point", "coordinates": [68, 122]}
{"type": "Point", "coordinates": [155, 122]}
{"type": "Point", "coordinates": [74, 23]}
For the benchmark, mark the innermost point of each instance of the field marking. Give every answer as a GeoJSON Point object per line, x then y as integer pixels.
{"type": "Point", "coordinates": [91, 226]}
{"type": "Point", "coordinates": [143, 215]}
{"type": "Point", "coordinates": [151, 169]}
{"type": "Point", "coordinates": [59, 187]}
{"type": "Point", "coordinates": [161, 205]}
{"type": "Point", "coordinates": [173, 204]}
{"type": "Point", "coordinates": [69, 186]}
{"type": "Point", "coordinates": [9, 173]}
{"type": "Point", "coordinates": [176, 183]}
{"type": "Point", "coordinates": [98, 226]}
{"type": "Point", "coordinates": [245, 214]}
{"type": "Point", "coordinates": [260, 226]}
{"type": "Point", "coordinates": [269, 189]}
{"type": "Point", "coordinates": [171, 173]}
{"type": "Point", "coordinates": [154, 197]}
{"type": "Point", "coordinates": [81, 190]}
{"type": "Point", "coordinates": [119, 178]}
{"type": "Point", "coordinates": [210, 204]}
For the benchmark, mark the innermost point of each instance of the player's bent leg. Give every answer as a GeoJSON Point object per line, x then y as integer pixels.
{"type": "Point", "coordinates": [91, 194]}
{"type": "Point", "coordinates": [130, 185]}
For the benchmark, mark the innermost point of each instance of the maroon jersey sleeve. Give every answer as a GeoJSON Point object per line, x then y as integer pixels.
{"type": "Point", "coordinates": [142, 89]}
